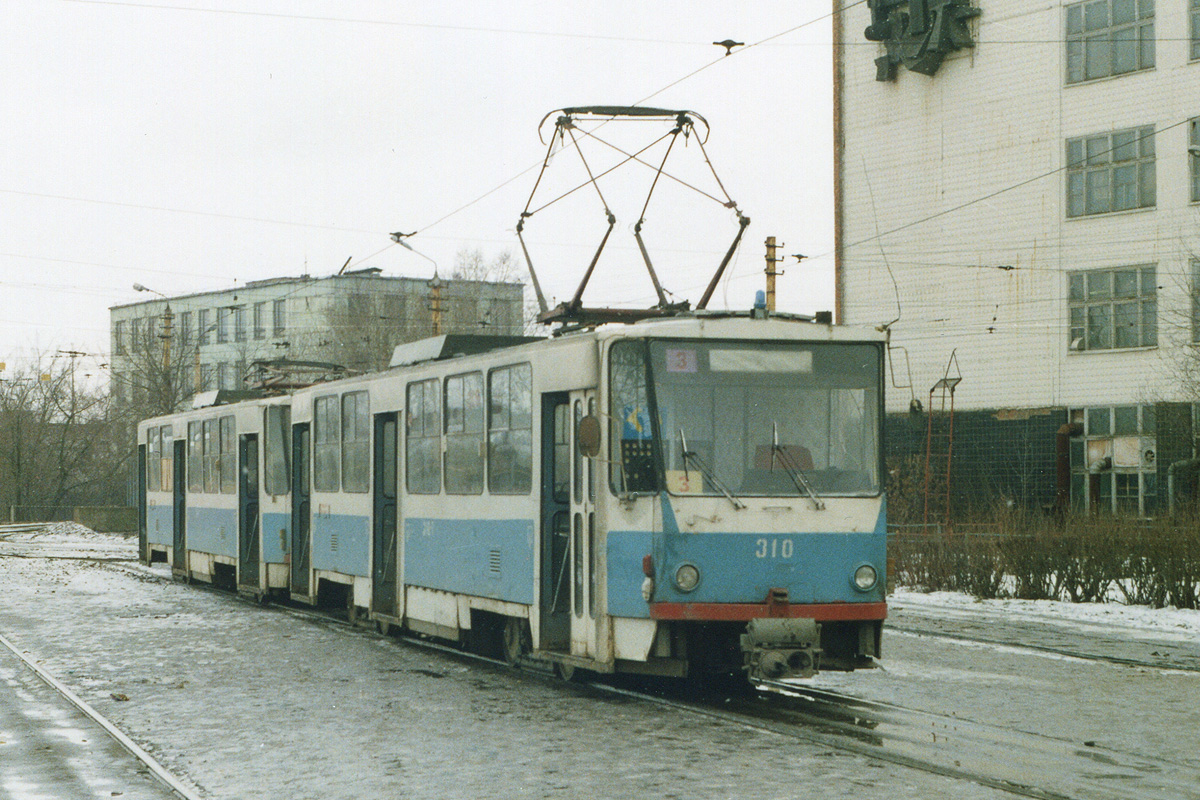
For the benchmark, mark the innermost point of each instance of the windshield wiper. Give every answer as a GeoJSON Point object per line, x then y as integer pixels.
{"type": "Point", "coordinates": [706, 471]}
{"type": "Point", "coordinates": [780, 453]}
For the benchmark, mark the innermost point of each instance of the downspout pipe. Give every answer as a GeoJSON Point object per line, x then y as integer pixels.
{"type": "Point", "coordinates": [1062, 464]}
{"type": "Point", "coordinates": [1184, 464]}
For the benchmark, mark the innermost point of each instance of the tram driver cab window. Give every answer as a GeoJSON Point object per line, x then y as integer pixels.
{"type": "Point", "coordinates": [631, 434]}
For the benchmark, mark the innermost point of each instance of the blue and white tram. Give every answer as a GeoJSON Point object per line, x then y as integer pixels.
{"type": "Point", "coordinates": [690, 496]}
{"type": "Point", "coordinates": [217, 501]}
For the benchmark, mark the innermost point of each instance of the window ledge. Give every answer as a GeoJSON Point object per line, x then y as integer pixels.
{"type": "Point", "coordinates": [1111, 214]}
{"type": "Point", "coordinates": [1117, 76]}
{"type": "Point", "coordinates": [1111, 350]}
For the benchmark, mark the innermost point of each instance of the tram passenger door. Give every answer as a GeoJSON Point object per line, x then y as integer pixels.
{"type": "Point", "coordinates": [583, 534]}
{"type": "Point", "coordinates": [143, 543]}
{"type": "Point", "coordinates": [248, 516]}
{"type": "Point", "coordinates": [179, 563]}
{"type": "Point", "coordinates": [555, 600]}
{"type": "Point", "coordinates": [301, 505]}
{"type": "Point", "coordinates": [383, 577]}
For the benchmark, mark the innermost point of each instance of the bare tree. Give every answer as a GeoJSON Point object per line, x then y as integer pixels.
{"type": "Point", "coordinates": [56, 438]}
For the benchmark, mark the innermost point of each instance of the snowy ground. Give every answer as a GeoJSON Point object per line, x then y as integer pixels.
{"type": "Point", "coordinates": [248, 702]}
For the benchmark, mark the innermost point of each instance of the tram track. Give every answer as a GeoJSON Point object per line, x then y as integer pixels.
{"type": "Point", "coordinates": [1162, 664]}
{"type": "Point", "coordinates": [164, 775]}
{"type": "Point", "coordinates": [1015, 762]}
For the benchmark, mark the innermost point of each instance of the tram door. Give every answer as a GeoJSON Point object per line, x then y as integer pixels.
{"type": "Point", "coordinates": [301, 506]}
{"type": "Point", "coordinates": [143, 543]}
{"type": "Point", "coordinates": [179, 507]}
{"type": "Point", "coordinates": [383, 576]}
{"type": "Point", "coordinates": [248, 516]}
{"type": "Point", "coordinates": [555, 582]}
{"type": "Point", "coordinates": [583, 534]}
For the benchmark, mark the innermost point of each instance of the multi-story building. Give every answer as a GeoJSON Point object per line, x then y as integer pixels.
{"type": "Point", "coordinates": [173, 347]}
{"type": "Point", "coordinates": [1018, 200]}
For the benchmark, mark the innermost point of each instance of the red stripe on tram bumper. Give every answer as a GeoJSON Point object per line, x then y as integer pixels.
{"type": "Point", "coordinates": [744, 612]}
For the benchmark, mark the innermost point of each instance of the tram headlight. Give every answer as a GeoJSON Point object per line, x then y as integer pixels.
{"type": "Point", "coordinates": [687, 577]}
{"type": "Point", "coordinates": [865, 578]}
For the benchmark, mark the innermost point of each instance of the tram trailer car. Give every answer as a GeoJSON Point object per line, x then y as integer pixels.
{"type": "Point", "coordinates": [216, 504]}
{"type": "Point", "coordinates": [695, 496]}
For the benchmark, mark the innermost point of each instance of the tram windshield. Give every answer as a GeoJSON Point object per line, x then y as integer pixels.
{"type": "Point", "coordinates": [746, 418]}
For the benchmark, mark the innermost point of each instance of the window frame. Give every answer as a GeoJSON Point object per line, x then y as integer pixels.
{"type": "Point", "coordinates": [259, 320]}
{"type": "Point", "coordinates": [1086, 295]}
{"type": "Point", "coordinates": [1101, 163]}
{"type": "Point", "coordinates": [510, 430]}
{"type": "Point", "coordinates": [423, 437]}
{"type": "Point", "coordinates": [464, 473]}
{"type": "Point", "coordinates": [1194, 14]}
{"type": "Point", "coordinates": [356, 442]}
{"type": "Point", "coordinates": [326, 443]}
{"type": "Point", "coordinates": [1110, 36]}
{"type": "Point", "coordinates": [1194, 154]}
{"type": "Point", "coordinates": [278, 317]}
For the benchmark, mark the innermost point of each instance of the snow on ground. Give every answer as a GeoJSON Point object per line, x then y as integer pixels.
{"type": "Point", "coordinates": [1111, 618]}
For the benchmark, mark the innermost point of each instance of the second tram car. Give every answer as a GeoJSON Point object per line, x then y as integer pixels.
{"type": "Point", "coordinates": [694, 496]}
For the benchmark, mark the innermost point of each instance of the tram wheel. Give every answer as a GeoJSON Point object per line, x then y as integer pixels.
{"type": "Point", "coordinates": [383, 626]}
{"type": "Point", "coordinates": [567, 673]}
{"type": "Point", "coordinates": [517, 640]}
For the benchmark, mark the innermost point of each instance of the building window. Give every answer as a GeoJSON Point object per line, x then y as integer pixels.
{"type": "Point", "coordinates": [1110, 172]}
{"type": "Point", "coordinates": [510, 430]}
{"type": "Point", "coordinates": [1194, 154]}
{"type": "Point", "coordinates": [1113, 308]}
{"type": "Point", "coordinates": [260, 322]}
{"type": "Point", "coordinates": [1113, 464]}
{"type": "Point", "coordinates": [119, 338]}
{"type": "Point", "coordinates": [1195, 29]}
{"type": "Point", "coordinates": [464, 434]}
{"type": "Point", "coordinates": [202, 326]}
{"type": "Point", "coordinates": [1195, 292]}
{"type": "Point", "coordinates": [1109, 37]}
{"type": "Point", "coordinates": [422, 459]}
{"type": "Point", "coordinates": [222, 325]}
{"type": "Point", "coordinates": [185, 328]}
{"type": "Point", "coordinates": [239, 323]}
{"type": "Point", "coordinates": [356, 442]}
{"type": "Point", "coordinates": [278, 317]}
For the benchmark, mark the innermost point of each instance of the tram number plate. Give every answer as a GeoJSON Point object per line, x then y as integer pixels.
{"type": "Point", "coordinates": [774, 548]}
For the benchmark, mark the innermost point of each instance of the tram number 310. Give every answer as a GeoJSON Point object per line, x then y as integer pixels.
{"type": "Point", "coordinates": [773, 548]}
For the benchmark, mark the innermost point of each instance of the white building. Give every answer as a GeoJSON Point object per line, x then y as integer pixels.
{"type": "Point", "coordinates": [1032, 207]}
{"type": "Point", "coordinates": [210, 339]}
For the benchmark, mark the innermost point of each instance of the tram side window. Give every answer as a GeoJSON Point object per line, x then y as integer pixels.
{"type": "Point", "coordinates": [630, 436]}
{"type": "Point", "coordinates": [464, 434]}
{"type": "Point", "coordinates": [153, 459]}
{"type": "Point", "coordinates": [166, 453]}
{"type": "Point", "coordinates": [211, 455]}
{"type": "Point", "coordinates": [510, 430]}
{"type": "Point", "coordinates": [277, 452]}
{"type": "Point", "coordinates": [422, 459]}
{"type": "Point", "coordinates": [228, 457]}
{"type": "Point", "coordinates": [326, 443]}
{"type": "Point", "coordinates": [195, 466]}
{"type": "Point", "coordinates": [356, 442]}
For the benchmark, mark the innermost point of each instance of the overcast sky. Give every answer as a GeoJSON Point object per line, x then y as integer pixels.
{"type": "Point", "coordinates": [199, 144]}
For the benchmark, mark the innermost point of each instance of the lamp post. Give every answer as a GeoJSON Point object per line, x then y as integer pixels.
{"type": "Point", "coordinates": [435, 285]}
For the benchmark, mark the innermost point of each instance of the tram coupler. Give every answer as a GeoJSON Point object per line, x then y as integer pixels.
{"type": "Point", "coordinates": [775, 648]}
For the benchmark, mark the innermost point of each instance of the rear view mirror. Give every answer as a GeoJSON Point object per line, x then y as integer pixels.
{"type": "Point", "coordinates": [587, 436]}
